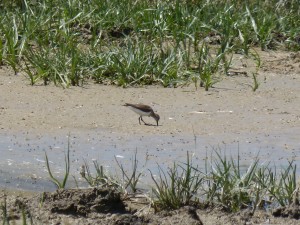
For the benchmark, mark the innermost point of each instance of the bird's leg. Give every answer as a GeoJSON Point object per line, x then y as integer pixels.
{"type": "Point", "coordinates": [140, 119]}
{"type": "Point", "coordinates": [143, 120]}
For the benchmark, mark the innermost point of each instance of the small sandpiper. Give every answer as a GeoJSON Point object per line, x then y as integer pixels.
{"type": "Point", "coordinates": [143, 110]}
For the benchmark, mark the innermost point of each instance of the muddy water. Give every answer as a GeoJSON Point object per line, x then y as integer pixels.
{"type": "Point", "coordinates": [22, 162]}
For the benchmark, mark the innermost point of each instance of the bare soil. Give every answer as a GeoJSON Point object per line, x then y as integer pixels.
{"type": "Point", "coordinates": [229, 110]}
{"type": "Point", "coordinates": [105, 206]}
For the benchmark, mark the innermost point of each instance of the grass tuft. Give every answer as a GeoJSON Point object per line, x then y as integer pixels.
{"type": "Point", "coordinates": [58, 183]}
{"type": "Point", "coordinates": [176, 188]}
{"type": "Point", "coordinates": [131, 179]}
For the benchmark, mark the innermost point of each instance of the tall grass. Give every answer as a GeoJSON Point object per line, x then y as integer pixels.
{"type": "Point", "coordinates": [228, 185]}
{"type": "Point", "coordinates": [101, 177]}
{"type": "Point", "coordinates": [131, 179]}
{"type": "Point", "coordinates": [128, 184]}
{"type": "Point", "coordinates": [63, 183]}
{"type": "Point", "coordinates": [11, 49]}
{"type": "Point", "coordinates": [138, 42]}
{"type": "Point", "coordinates": [5, 219]}
{"type": "Point", "coordinates": [177, 187]}
{"type": "Point", "coordinates": [223, 182]}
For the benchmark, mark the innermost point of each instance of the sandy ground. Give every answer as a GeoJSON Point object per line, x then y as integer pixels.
{"type": "Point", "coordinates": [230, 107]}
{"type": "Point", "coordinates": [229, 112]}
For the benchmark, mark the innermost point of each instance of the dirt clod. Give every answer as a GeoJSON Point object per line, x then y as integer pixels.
{"type": "Point", "coordinates": [291, 211]}
{"type": "Point", "coordinates": [82, 202]}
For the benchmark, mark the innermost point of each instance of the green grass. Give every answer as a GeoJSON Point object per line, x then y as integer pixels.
{"type": "Point", "coordinates": [227, 184]}
{"type": "Point", "coordinates": [177, 187]}
{"type": "Point", "coordinates": [101, 178]}
{"type": "Point", "coordinates": [138, 42]}
{"type": "Point", "coordinates": [223, 182]}
{"type": "Point", "coordinates": [131, 179]}
{"type": "Point", "coordinates": [60, 184]}
{"type": "Point", "coordinates": [4, 212]}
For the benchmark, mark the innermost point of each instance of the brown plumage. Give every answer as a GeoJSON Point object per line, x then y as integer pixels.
{"type": "Point", "coordinates": [143, 110]}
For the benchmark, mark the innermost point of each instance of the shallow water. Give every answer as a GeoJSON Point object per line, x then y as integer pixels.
{"type": "Point", "coordinates": [22, 162]}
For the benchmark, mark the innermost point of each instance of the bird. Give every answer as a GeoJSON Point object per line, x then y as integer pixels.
{"type": "Point", "coordinates": [143, 110]}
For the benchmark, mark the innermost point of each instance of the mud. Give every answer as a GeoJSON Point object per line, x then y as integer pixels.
{"type": "Point", "coordinates": [104, 206]}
